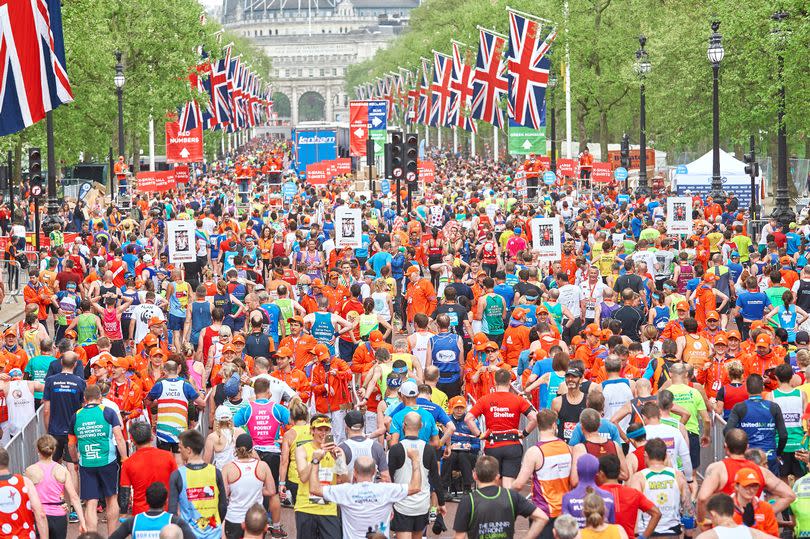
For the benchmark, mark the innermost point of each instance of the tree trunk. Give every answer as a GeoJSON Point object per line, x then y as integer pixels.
{"type": "Point", "coordinates": [581, 131]}
{"type": "Point", "coordinates": [603, 134]}
{"type": "Point", "coordinates": [18, 150]}
{"type": "Point", "coordinates": [136, 154]}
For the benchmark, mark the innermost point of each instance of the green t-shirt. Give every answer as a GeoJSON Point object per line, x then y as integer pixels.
{"type": "Point", "coordinates": [774, 294]}
{"type": "Point", "coordinates": [37, 368]}
{"type": "Point", "coordinates": [743, 244]}
{"type": "Point", "coordinates": [649, 234]}
{"type": "Point", "coordinates": [690, 399]}
{"type": "Point", "coordinates": [801, 507]}
{"type": "Point", "coordinates": [93, 427]}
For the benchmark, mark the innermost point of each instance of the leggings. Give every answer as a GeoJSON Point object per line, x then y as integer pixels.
{"type": "Point", "coordinates": [58, 526]}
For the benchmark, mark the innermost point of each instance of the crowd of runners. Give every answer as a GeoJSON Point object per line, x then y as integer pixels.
{"type": "Point", "coordinates": [366, 389]}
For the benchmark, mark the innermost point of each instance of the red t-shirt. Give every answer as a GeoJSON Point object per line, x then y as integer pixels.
{"type": "Point", "coordinates": [146, 466]}
{"type": "Point", "coordinates": [627, 502]}
{"type": "Point", "coordinates": [501, 411]}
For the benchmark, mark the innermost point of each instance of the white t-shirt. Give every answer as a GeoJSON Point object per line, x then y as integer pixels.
{"type": "Point", "coordinates": [142, 314]}
{"type": "Point", "coordinates": [280, 391]}
{"type": "Point", "coordinates": [593, 296]}
{"type": "Point", "coordinates": [365, 504]}
{"type": "Point", "coordinates": [570, 295]}
{"type": "Point", "coordinates": [676, 446]}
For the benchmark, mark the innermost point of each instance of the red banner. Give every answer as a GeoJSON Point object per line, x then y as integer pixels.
{"type": "Point", "coordinates": [316, 174]}
{"type": "Point", "coordinates": [344, 165]}
{"type": "Point", "coordinates": [427, 171]}
{"type": "Point", "coordinates": [358, 127]}
{"type": "Point", "coordinates": [567, 167]}
{"type": "Point", "coordinates": [181, 174]}
{"type": "Point", "coordinates": [545, 161]}
{"type": "Point", "coordinates": [601, 172]}
{"type": "Point", "coordinates": [155, 181]}
{"type": "Point", "coordinates": [615, 159]}
{"type": "Point", "coordinates": [183, 146]}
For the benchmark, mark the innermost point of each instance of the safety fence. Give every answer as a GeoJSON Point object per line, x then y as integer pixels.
{"type": "Point", "coordinates": [22, 447]}
{"type": "Point", "coordinates": [14, 274]}
{"type": "Point", "coordinates": [715, 451]}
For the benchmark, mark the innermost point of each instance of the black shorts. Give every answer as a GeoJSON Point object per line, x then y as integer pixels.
{"type": "Point", "coordinates": [168, 446]}
{"type": "Point", "coordinates": [407, 523]}
{"type": "Point", "coordinates": [61, 454]}
{"type": "Point", "coordinates": [509, 458]}
{"type": "Point", "coordinates": [233, 530]}
{"type": "Point", "coordinates": [98, 483]}
{"type": "Point", "coordinates": [792, 466]}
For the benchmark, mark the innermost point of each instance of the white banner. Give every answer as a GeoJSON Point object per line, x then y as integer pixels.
{"type": "Point", "coordinates": [546, 238]}
{"type": "Point", "coordinates": [679, 215]}
{"type": "Point", "coordinates": [180, 238]}
{"type": "Point", "coordinates": [348, 228]}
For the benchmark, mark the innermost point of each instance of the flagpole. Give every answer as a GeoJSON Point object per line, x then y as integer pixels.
{"type": "Point", "coordinates": [455, 140]}
{"type": "Point", "coordinates": [439, 131]}
{"type": "Point", "coordinates": [472, 144]}
{"type": "Point", "coordinates": [529, 15]}
{"type": "Point", "coordinates": [151, 143]}
{"type": "Point", "coordinates": [568, 144]}
{"type": "Point", "coordinates": [493, 32]}
{"type": "Point", "coordinates": [495, 141]}
{"type": "Point", "coordinates": [427, 137]}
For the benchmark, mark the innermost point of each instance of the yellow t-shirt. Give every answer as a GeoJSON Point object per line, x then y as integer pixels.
{"type": "Point", "coordinates": [439, 398]}
{"type": "Point", "coordinates": [326, 473]}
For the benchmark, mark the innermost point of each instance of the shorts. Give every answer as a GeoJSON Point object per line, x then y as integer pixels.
{"type": "Point", "coordinates": [509, 458]}
{"type": "Point", "coordinates": [497, 339]}
{"type": "Point", "coordinates": [791, 466]}
{"type": "Point", "coordinates": [451, 389]}
{"type": "Point", "coordinates": [176, 323]}
{"type": "Point", "coordinates": [346, 350]}
{"type": "Point", "coordinates": [90, 349]}
{"type": "Point", "coordinates": [61, 454]}
{"type": "Point", "coordinates": [99, 482]}
{"type": "Point", "coordinates": [320, 526]}
{"type": "Point", "coordinates": [233, 530]}
{"type": "Point", "coordinates": [172, 447]}
{"type": "Point", "coordinates": [407, 523]}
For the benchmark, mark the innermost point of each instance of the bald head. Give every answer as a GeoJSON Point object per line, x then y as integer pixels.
{"type": "Point", "coordinates": [255, 521]}
{"type": "Point", "coordinates": [172, 531]}
{"type": "Point", "coordinates": [364, 469]}
{"type": "Point", "coordinates": [412, 423]}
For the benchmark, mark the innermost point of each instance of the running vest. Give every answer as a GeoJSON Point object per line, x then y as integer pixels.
{"type": "Point", "coordinates": [759, 425]}
{"type": "Point", "coordinates": [675, 299]}
{"type": "Point", "coordinates": [20, 402]}
{"type": "Point", "coordinates": [617, 393]}
{"type": "Point", "coordinates": [803, 295]}
{"type": "Point", "coordinates": [492, 315]}
{"type": "Point", "coordinates": [662, 488]}
{"type": "Point", "coordinates": [30, 340]}
{"type": "Point", "coordinates": [111, 324]}
{"type": "Point", "coordinates": [198, 503]}
{"type": "Point", "coordinates": [735, 465]}
{"type": "Point", "coordinates": [86, 330]}
{"type": "Point", "coordinates": [554, 381]}
{"type": "Point", "coordinates": [200, 319]}
{"type": "Point", "coordinates": [687, 273]}
{"type": "Point", "coordinates": [302, 436]}
{"type": "Point", "coordinates": [367, 324]}
{"type": "Point", "coordinates": [172, 413]}
{"type": "Point", "coordinates": [801, 507]}
{"type": "Point", "coordinates": [245, 491]}
{"type": "Point", "coordinates": [551, 481]}
{"type": "Point", "coordinates": [444, 355]}
{"type": "Point", "coordinates": [790, 402]}
{"type": "Point", "coordinates": [263, 426]}
{"type": "Point", "coordinates": [488, 253]}
{"type": "Point", "coordinates": [322, 329]}
{"type": "Point", "coordinates": [145, 526]}
{"type": "Point", "coordinates": [420, 347]}
{"type": "Point", "coordinates": [178, 302]}
{"type": "Point", "coordinates": [568, 417]}
{"type": "Point", "coordinates": [696, 351]}
{"type": "Point", "coordinates": [16, 517]}
{"type": "Point", "coordinates": [94, 437]}
{"type": "Point", "coordinates": [599, 449]}
{"type": "Point", "coordinates": [359, 448]}
{"type": "Point", "coordinates": [285, 304]}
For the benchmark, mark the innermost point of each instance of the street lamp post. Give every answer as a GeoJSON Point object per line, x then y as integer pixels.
{"type": "Point", "coordinates": [552, 83]}
{"type": "Point", "coordinates": [119, 81]}
{"type": "Point", "coordinates": [782, 212]}
{"type": "Point", "coordinates": [715, 54]}
{"type": "Point", "coordinates": [642, 68]}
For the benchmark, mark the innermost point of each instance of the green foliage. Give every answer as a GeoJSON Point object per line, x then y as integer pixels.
{"type": "Point", "coordinates": [159, 41]}
{"type": "Point", "coordinates": [602, 37]}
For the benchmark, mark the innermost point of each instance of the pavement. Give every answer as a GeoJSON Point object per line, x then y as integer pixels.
{"type": "Point", "coordinates": [11, 311]}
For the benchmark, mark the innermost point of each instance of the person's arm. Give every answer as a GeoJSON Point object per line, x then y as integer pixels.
{"type": "Point", "coordinates": [653, 512]}
{"type": "Point", "coordinates": [123, 531]}
{"type": "Point", "coordinates": [711, 484]}
{"type": "Point", "coordinates": [781, 430]}
{"type": "Point", "coordinates": [771, 314]}
{"type": "Point", "coordinates": [120, 443]}
{"type": "Point", "coordinates": [779, 491]}
{"type": "Point", "coordinates": [532, 460]}
{"type": "Point", "coordinates": [415, 485]}
{"type": "Point", "coordinates": [208, 451]}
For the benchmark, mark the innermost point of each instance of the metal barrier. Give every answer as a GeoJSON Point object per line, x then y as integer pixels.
{"type": "Point", "coordinates": [22, 448]}
{"type": "Point", "coordinates": [15, 277]}
{"type": "Point", "coordinates": [716, 450]}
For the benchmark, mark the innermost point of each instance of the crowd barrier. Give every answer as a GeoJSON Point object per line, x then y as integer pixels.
{"type": "Point", "coordinates": [22, 448]}
{"type": "Point", "coordinates": [15, 276]}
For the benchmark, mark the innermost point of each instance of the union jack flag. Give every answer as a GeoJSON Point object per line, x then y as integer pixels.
{"type": "Point", "coordinates": [460, 92]}
{"type": "Point", "coordinates": [528, 66]}
{"type": "Point", "coordinates": [440, 89]}
{"type": "Point", "coordinates": [235, 90]}
{"type": "Point", "coordinates": [33, 79]}
{"type": "Point", "coordinates": [423, 107]}
{"type": "Point", "coordinates": [490, 83]}
{"type": "Point", "coordinates": [219, 90]}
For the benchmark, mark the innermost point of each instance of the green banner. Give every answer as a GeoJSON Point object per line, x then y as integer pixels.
{"type": "Point", "coordinates": [379, 137]}
{"type": "Point", "coordinates": [525, 140]}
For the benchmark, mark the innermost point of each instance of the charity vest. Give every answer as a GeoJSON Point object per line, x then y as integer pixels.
{"type": "Point", "coordinates": [696, 351]}
{"type": "Point", "coordinates": [444, 355]}
{"type": "Point", "coordinates": [551, 481]}
{"type": "Point", "coordinates": [16, 517]}
{"type": "Point", "coordinates": [303, 435]}
{"type": "Point", "coordinates": [492, 315]}
{"type": "Point", "coordinates": [146, 526]}
{"type": "Point", "coordinates": [20, 402]}
{"type": "Point", "coordinates": [326, 475]}
{"type": "Point", "coordinates": [198, 503]}
{"type": "Point", "coordinates": [801, 507]}
{"type": "Point", "coordinates": [86, 330]}
{"type": "Point", "coordinates": [172, 414]}
{"type": "Point", "coordinates": [662, 486]}
{"type": "Point", "coordinates": [263, 426]}
{"type": "Point", "coordinates": [790, 402]}
{"type": "Point", "coordinates": [285, 304]}
{"type": "Point", "coordinates": [94, 437]}
{"type": "Point", "coordinates": [322, 329]}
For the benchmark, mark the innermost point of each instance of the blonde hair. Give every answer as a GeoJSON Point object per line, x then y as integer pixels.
{"type": "Point", "coordinates": [298, 410]}
{"type": "Point", "coordinates": [593, 507]}
{"type": "Point", "coordinates": [46, 445]}
{"type": "Point", "coordinates": [802, 358]}
{"type": "Point", "coordinates": [735, 369]}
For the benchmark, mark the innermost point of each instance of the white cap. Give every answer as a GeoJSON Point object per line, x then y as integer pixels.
{"type": "Point", "coordinates": [147, 258]}
{"type": "Point", "coordinates": [223, 413]}
{"type": "Point", "coordinates": [409, 389]}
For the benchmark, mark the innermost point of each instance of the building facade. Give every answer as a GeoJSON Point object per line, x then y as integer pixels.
{"type": "Point", "coordinates": [312, 43]}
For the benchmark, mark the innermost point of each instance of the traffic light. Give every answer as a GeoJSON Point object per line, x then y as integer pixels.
{"type": "Point", "coordinates": [387, 159]}
{"type": "Point", "coordinates": [397, 152]}
{"type": "Point", "coordinates": [412, 158]}
{"type": "Point", "coordinates": [751, 164]}
{"type": "Point", "coordinates": [35, 170]}
{"type": "Point", "coordinates": [625, 153]}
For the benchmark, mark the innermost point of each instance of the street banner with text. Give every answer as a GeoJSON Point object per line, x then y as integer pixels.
{"type": "Point", "coordinates": [183, 146]}
{"type": "Point", "coordinates": [601, 172]}
{"type": "Point", "coordinates": [378, 125]}
{"type": "Point", "coordinates": [181, 174]}
{"type": "Point", "coordinates": [155, 182]}
{"type": "Point", "coordinates": [567, 167]}
{"type": "Point", "coordinates": [358, 127]}
{"type": "Point", "coordinates": [427, 171]}
{"type": "Point", "coordinates": [316, 174]}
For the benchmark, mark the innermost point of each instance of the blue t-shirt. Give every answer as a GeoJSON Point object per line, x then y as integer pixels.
{"type": "Point", "coordinates": [506, 292]}
{"type": "Point", "coordinates": [65, 392]}
{"type": "Point", "coordinates": [753, 305]}
{"type": "Point", "coordinates": [438, 413]}
{"type": "Point", "coordinates": [793, 243]}
{"type": "Point", "coordinates": [635, 226]}
{"type": "Point", "coordinates": [428, 429]}
{"type": "Point", "coordinates": [365, 243]}
{"type": "Point", "coordinates": [605, 428]}
{"type": "Point", "coordinates": [379, 261]}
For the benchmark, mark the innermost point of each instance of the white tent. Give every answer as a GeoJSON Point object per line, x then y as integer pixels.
{"type": "Point", "coordinates": [697, 177]}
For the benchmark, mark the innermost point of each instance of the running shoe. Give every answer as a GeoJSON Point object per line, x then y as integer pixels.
{"type": "Point", "coordinates": [278, 533]}
{"type": "Point", "coordinates": [73, 517]}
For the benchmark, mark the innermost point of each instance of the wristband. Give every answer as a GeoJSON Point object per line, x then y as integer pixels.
{"type": "Point", "coordinates": [282, 483]}
{"type": "Point", "coordinates": [525, 433]}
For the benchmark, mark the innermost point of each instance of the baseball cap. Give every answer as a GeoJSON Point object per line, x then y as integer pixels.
{"type": "Point", "coordinates": [746, 477]}
{"type": "Point", "coordinates": [155, 321]}
{"type": "Point", "coordinates": [238, 339]}
{"type": "Point", "coordinates": [321, 351]}
{"type": "Point", "coordinates": [734, 334]}
{"type": "Point", "coordinates": [317, 283]}
{"type": "Point", "coordinates": [480, 342]}
{"type": "Point", "coordinates": [158, 352]}
{"type": "Point", "coordinates": [150, 339]}
{"type": "Point", "coordinates": [284, 351]}
{"type": "Point", "coordinates": [355, 419]}
{"type": "Point", "coordinates": [682, 306]}
{"type": "Point", "coordinates": [786, 261]}
{"type": "Point", "coordinates": [297, 319]}
{"type": "Point", "coordinates": [457, 401]}
{"type": "Point", "coordinates": [147, 258]}
{"type": "Point", "coordinates": [9, 332]}
{"type": "Point", "coordinates": [802, 337]}
{"type": "Point", "coordinates": [70, 333]}
{"type": "Point", "coordinates": [757, 324]}
{"type": "Point", "coordinates": [542, 309]}
{"type": "Point", "coordinates": [721, 339]}
{"type": "Point", "coordinates": [15, 373]}
{"type": "Point", "coordinates": [518, 313]}
{"type": "Point", "coordinates": [709, 277]}
{"type": "Point", "coordinates": [118, 362]}
{"type": "Point", "coordinates": [223, 413]}
{"type": "Point", "coordinates": [412, 269]}
{"type": "Point", "coordinates": [592, 329]}
{"type": "Point", "coordinates": [409, 388]}
{"type": "Point", "coordinates": [492, 345]}
{"type": "Point", "coordinates": [792, 226]}
{"type": "Point", "coordinates": [375, 336]}
{"type": "Point", "coordinates": [763, 340]}
{"type": "Point", "coordinates": [244, 441]}
{"type": "Point", "coordinates": [735, 254]}
{"type": "Point", "coordinates": [228, 348]}
{"type": "Point", "coordinates": [713, 315]}
{"type": "Point", "coordinates": [574, 372]}
{"type": "Point", "coordinates": [322, 422]}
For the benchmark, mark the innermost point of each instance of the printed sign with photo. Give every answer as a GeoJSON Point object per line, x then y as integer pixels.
{"type": "Point", "coordinates": [180, 237]}
{"type": "Point", "coordinates": [348, 228]}
{"type": "Point", "coordinates": [546, 238]}
{"type": "Point", "coordinates": [679, 215]}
